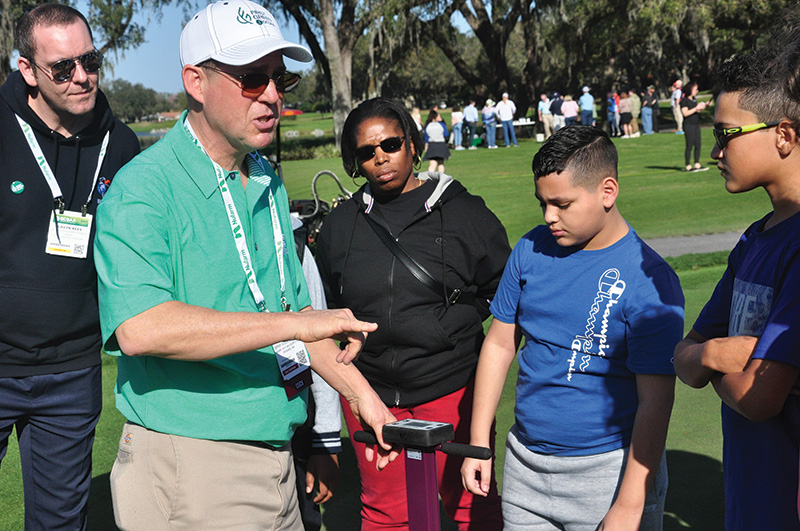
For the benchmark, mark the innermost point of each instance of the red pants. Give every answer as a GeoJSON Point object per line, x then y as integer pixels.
{"type": "Point", "coordinates": [383, 494]}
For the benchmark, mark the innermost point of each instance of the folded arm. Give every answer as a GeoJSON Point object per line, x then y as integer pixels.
{"type": "Point", "coordinates": [759, 392]}
{"type": "Point", "coordinates": [697, 359]}
{"type": "Point", "coordinates": [755, 388]}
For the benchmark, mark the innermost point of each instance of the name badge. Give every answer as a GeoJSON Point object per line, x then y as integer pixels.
{"type": "Point", "coordinates": [294, 364]}
{"type": "Point", "coordinates": [68, 234]}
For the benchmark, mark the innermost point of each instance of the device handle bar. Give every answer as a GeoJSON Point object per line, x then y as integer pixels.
{"type": "Point", "coordinates": [450, 448]}
{"type": "Point", "coordinates": [347, 193]}
{"type": "Point", "coordinates": [466, 450]}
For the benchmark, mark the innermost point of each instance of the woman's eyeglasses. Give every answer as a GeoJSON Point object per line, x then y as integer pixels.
{"type": "Point", "coordinates": [254, 84]}
{"type": "Point", "coordinates": [388, 145]}
{"type": "Point", "coordinates": [724, 135]}
{"type": "Point", "coordinates": [62, 70]}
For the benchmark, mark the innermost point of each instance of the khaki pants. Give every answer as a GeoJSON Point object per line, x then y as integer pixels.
{"type": "Point", "coordinates": [168, 482]}
{"type": "Point", "coordinates": [678, 115]}
{"type": "Point", "coordinates": [547, 122]}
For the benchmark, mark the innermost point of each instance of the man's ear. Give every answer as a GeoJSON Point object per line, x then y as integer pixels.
{"type": "Point", "coordinates": [27, 69]}
{"type": "Point", "coordinates": [786, 137]}
{"type": "Point", "coordinates": [610, 190]}
{"type": "Point", "coordinates": [194, 82]}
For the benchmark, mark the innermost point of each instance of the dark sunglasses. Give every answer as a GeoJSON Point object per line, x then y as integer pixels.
{"type": "Point", "coordinates": [254, 84]}
{"type": "Point", "coordinates": [62, 70]}
{"type": "Point", "coordinates": [388, 145]}
{"type": "Point", "coordinates": [724, 135]}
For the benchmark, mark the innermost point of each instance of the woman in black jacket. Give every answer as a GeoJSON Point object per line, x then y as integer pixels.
{"type": "Point", "coordinates": [422, 358]}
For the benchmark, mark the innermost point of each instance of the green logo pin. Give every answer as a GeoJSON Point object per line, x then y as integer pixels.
{"type": "Point", "coordinates": [17, 187]}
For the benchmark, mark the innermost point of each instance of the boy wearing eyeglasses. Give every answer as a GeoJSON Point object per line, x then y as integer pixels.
{"type": "Point", "coordinates": [60, 147]}
{"type": "Point", "coordinates": [745, 341]}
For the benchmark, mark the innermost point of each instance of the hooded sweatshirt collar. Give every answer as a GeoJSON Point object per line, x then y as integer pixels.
{"type": "Point", "coordinates": [442, 181]}
{"type": "Point", "coordinates": [15, 94]}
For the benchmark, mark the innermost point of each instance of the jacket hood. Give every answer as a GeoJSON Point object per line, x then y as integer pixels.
{"type": "Point", "coordinates": [15, 93]}
{"type": "Point", "coordinates": [446, 188]}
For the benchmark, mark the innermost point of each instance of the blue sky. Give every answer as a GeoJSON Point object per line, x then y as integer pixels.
{"type": "Point", "coordinates": [156, 63]}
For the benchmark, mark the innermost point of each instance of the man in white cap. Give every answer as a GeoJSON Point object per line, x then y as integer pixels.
{"type": "Point", "coordinates": [505, 112]}
{"type": "Point", "coordinates": [199, 289]}
{"type": "Point", "coordinates": [489, 117]}
{"type": "Point", "coordinates": [586, 104]}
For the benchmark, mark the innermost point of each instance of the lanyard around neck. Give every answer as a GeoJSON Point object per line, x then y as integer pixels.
{"type": "Point", "coordinates": [239, 237]}
{"type": "Point", "coordinates": [55, 189]}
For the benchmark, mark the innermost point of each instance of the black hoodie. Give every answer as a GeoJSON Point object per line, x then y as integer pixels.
{"type": "Point", "coordinates": [48, 304]}
{"type": "Point", "coordinates": [422, 349]}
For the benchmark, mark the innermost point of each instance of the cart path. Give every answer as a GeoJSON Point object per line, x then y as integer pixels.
{"type": "Point", "coordinates": [705, 243]}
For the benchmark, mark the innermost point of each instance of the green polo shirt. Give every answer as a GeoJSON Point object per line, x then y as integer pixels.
{"type": "Point", "coordinates": [163, 235]}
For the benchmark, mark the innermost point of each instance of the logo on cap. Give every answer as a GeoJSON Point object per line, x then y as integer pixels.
{"type": "Point", "coordinates": [254, 17]}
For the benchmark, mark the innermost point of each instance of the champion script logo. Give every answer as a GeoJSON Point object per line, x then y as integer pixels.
{"type": "Point", "coordinates": [610, 289]}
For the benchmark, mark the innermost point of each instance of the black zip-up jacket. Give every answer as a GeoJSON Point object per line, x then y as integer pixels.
{"type": "Point", "coordinates": [423, 349]}
{"type": "Point", "coordinates": [48, 304]}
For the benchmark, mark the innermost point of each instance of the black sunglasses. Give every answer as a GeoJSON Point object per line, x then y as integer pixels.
{"type": "Point", "coordinates": [254, 84]}
{"type": "Point", "coordinates": [388, 145]}
{"type": "Point", "coordinates": [62, 70]}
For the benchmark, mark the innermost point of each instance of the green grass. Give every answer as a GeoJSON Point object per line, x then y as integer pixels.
{"type": "Point", "coordinates": [105, 451]}
{"type": "Point", "coordinates": [303, 124]}
{"type": "Point", "coordinates": [146, 127]}
{"type": "Point", "coordinates": [694, 444]}
{"type": "Point", "coordinates": [657, 199]}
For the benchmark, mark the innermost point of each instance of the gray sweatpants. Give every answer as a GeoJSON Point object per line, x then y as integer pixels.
{"type": "Point", "coordinates": [569, 493]}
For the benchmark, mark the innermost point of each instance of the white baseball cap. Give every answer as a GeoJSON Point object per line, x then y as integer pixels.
{"type": "Point", "coordinates": [585, 88]}
{"type": "Point", "coordinates": [235, 32]}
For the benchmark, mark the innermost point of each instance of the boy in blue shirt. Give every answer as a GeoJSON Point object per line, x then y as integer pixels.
{"type": "Point", "coordinates": [600, 312]}
{"type": "Point", "coordinates": [745, 341]}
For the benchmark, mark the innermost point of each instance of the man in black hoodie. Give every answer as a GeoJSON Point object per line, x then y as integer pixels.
{"type": "Point", "coordinates": [59, 150]}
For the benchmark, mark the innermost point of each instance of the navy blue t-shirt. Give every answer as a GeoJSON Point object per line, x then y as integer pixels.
{"type": "Point", "coordinates": [759, 295]}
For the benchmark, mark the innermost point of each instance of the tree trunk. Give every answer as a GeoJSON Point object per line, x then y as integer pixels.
{"type": "Point", "coordinates": [341, 63]}
{"type": "Point", "coordinates": [6, 38]}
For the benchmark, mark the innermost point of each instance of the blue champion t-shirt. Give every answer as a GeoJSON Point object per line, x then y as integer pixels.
{"type": "Point", "coordinates": [591, 320]}
{"type": "Point", "coordinates": [759, 295]}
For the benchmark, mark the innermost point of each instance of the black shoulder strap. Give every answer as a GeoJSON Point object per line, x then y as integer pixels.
{"type": "Point", "coordinates": [300, 240]}
{"type": "Point", "coordinates": [416, 269]}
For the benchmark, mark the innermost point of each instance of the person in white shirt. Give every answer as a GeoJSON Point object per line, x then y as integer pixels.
{"type": "Point", "coordinates": [505, 112]}
{"type": "Point", "coordinates": [489, 117]}
{"type": "Point", "coordinates": [675, 102]}
{"type": "Point", "coordinates": [457, 121]}
{"type": "Point", "coordinates": [546, 116]}
{"type": "Point", "coordinates": [470, 126]}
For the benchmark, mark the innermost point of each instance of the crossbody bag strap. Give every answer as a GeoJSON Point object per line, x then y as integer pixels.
{"type": "Point", "coordinates": [416, 269]}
